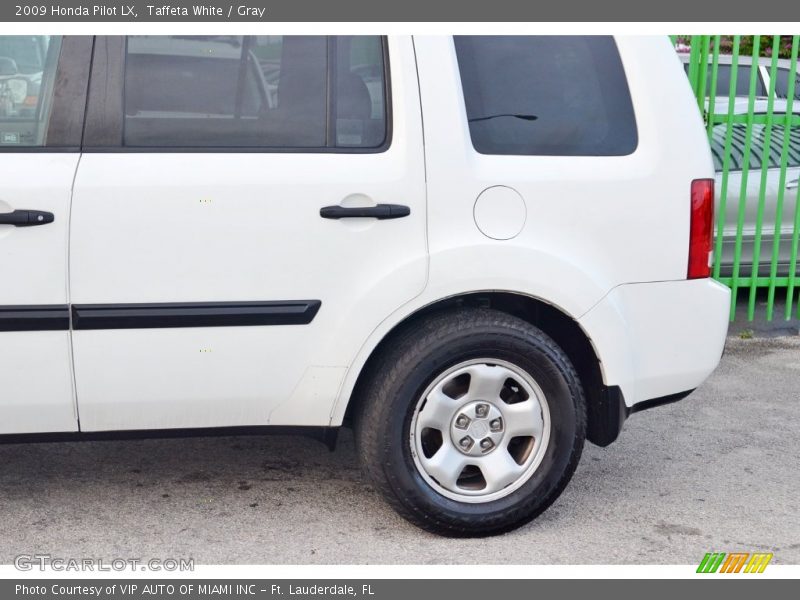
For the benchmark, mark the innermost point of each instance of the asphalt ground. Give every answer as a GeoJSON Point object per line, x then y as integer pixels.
{"type": "Point", "coordinates": [717, 471]}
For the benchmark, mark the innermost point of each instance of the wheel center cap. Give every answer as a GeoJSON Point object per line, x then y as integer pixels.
{"type": "Point", "coordinates": [477, 428]}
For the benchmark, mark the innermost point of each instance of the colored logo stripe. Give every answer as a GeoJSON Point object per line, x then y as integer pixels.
{"type": "Point", "coordinates": [758, 563]}
{"type": "Point", "coordinates": [733, 562]}
{"type": "Point", "coordinates": [711, 562]}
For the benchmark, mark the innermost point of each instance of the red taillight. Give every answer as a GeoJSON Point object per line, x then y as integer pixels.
{"type": "Point", "coordinates": [701, 231]}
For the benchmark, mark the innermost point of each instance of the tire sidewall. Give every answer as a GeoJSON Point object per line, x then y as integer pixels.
{"type": "Point", "coordinates": [531, 354]}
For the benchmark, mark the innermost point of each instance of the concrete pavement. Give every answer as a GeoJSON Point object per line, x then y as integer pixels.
{"type": "Point", "coordinates": [717, 471]}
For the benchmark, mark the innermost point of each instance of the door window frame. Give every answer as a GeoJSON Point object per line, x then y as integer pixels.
{"type": "Point", "coordinates": [105, 111]}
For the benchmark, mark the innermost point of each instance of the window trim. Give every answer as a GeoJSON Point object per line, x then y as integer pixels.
{"type": "Point", "coordinates": [105, 112]}
{"type": "Point", "coordinates": [64, 125]}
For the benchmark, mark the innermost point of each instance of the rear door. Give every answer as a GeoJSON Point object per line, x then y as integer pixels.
{"type": "Point", "coordinates": [210, 288]}
{"type": "Point", "coordinates": [42, 96]}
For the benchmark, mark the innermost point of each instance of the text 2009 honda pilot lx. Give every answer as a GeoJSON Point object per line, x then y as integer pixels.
{"type": "Point", "coordinates": [478, 251]}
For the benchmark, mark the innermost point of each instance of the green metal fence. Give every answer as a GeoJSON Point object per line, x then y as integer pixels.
{"type": "Point", "coordinates": [748, 90]}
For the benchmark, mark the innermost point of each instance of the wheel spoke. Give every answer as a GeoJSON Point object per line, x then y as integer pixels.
{"type": "Point", "coordinates": [523, 419]}
{"type": "Point", "coordinates": [438, 410]}
{"type": "Point", "coordinates": [446, 465]}
{"type": "Point", "coordinates": [499, 470]}
{"type": "Point", "coordinates": [486, 382]}
{"type": "Point", "coordinates": [476, 416]}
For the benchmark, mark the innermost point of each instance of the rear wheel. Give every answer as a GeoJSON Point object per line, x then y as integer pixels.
{"type": "Point", "coordinates": [472, 423]}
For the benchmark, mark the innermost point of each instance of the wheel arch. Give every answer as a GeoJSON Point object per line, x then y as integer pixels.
{"type": "Point", "coordinates": [605, 406]}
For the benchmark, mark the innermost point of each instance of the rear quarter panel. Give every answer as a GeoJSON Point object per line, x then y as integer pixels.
{"type": "Point", "coordinates": [592, 223]}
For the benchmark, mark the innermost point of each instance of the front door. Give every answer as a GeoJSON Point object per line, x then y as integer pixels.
{"type": "Point", "coordinates": [42, 91]}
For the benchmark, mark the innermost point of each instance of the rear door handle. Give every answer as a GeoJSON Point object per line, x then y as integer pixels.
{"type": "Point", "coordinates": [379, 211]}
{"type": "Point", "coordinates": [26, 218]}
{"type": "Point", "coordinates": [792, 185]}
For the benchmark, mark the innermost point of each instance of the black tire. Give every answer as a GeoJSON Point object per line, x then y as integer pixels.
{"type": "Point", "coordinates": [400, 375]}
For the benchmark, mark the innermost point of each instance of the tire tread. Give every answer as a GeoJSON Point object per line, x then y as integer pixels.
{"type": "Point", "coordinates": [373, 413]}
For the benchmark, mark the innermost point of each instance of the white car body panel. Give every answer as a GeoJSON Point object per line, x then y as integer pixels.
{"type": "Point", "coordinates": [233, 227]}
{"type": "Point", "coordinates": [35, 367]}
{"type": "Point", "coordinates": [575, 246]}
{"type": "Point", "coordinates": [661, 320]}
{"type": "Point", "coordinates": [603, 239]}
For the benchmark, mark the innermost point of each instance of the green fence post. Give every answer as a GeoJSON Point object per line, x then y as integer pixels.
{"type": "Point", "coordinates": [694, 69]}
{"type": "Point", "coordinates": [712, 88]}
{"type": "Point", "coordinates": [737, 253]}
{"type": "Point", "coordinates": [777, 231]}
{"type": "Point", "coordinates": [762, 188]}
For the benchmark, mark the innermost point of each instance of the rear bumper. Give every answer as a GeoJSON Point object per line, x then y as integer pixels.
{"type": "Point", "coordinates": [657, 340]}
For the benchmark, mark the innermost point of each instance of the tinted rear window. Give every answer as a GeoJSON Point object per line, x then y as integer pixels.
{"type": "Point", "coordinates": [724, 80]}
{"type": "Point", "coordinates": [782, 84]}
{"type": "Point", "coordinates": [546, 95]}
{"type": "Point", "coordinates": [742, 81]}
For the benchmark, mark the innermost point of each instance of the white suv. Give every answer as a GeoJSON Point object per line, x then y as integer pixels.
{"type": "Point", "coordinates": [478, 251]}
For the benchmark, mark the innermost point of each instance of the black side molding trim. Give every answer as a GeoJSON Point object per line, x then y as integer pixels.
{"type": "Point", "coordinates": [43, 317]}
{"type": "Point", "coordinates": [193, 314]}
{"type": "Point", "coordinates": [326, 435]}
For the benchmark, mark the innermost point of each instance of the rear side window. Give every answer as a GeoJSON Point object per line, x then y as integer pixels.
{"type": "Point", "coordinates": [254, 91]}
{"type": "Point", "coordinates": [742, 80]}
{"type": "Point", "coordinates": [782, 84]}
{"type": "Point", "coordinates": [546, 95]}
{"type": "Point", "coordinates": [27, 72]}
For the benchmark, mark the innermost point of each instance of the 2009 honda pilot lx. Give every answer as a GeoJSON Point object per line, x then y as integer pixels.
{"type": "Point", "coordinates": [478, 251]}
